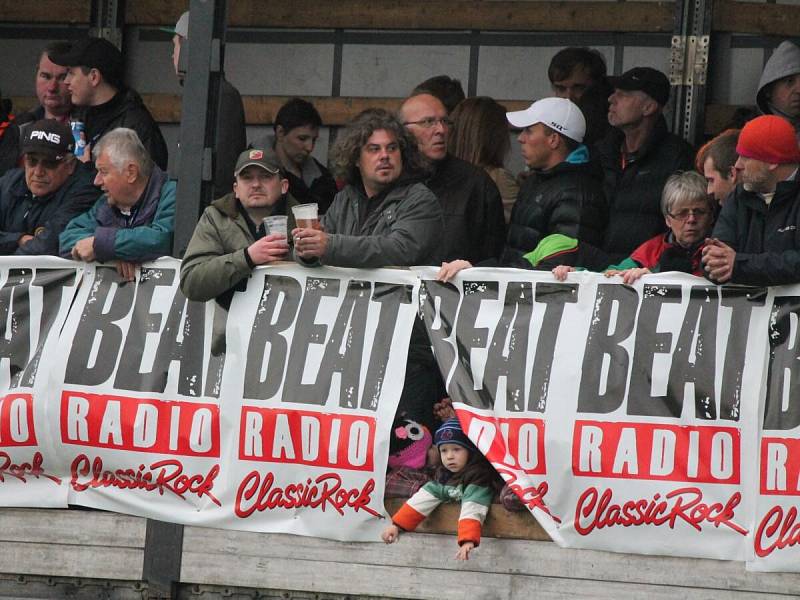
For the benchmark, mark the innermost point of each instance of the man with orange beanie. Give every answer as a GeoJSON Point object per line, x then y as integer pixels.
{"type": "Point", "coordinates": [757, 236]}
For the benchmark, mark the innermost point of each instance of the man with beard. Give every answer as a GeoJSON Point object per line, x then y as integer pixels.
{"type": "Point", "coordinates": [385, 216]}
{"type": "Point", "coordinates": [756, 240]}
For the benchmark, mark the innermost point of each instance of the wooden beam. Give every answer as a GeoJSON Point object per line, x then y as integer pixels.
{"type": "Point", "coordinates": [261, 110]}
{"type": "Point", "coordinates": [45, 11]}
{"type": "Point", "coordinates": [493, 15]}
{"type": "Point", "coordinates": [500, 523]}
{"type": "Point", "coordinates": [335, 112]}
{"type": "Point", "coordinates": [760, 18]}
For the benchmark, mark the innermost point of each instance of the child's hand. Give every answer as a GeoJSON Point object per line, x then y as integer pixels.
{"type": "Point", "coordinates": [464, 550]}
{"type": "Point", "coordinates": [390, 534]}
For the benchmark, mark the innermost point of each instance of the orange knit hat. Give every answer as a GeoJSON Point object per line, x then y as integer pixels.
{"type": "Point", "coordinates": [770, 139]}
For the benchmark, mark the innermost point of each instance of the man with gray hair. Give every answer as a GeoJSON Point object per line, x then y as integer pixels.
{"type": "Point", "coordinates": [134, 220]}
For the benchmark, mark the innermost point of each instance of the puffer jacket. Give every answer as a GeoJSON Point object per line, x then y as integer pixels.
{"type": "Point", "coordinates": [634, 191]}
{"type": "Point", "coordinates": [567, 199]}
{"type": "Point", "coordinates": [404, 228]}
{"type": "Point", "coordinates": [215, 262]}
{"type": "Point", "coordinates": [766, 238]}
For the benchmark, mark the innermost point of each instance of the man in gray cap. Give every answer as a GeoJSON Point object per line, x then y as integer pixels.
{"type": "Point", "coordinates": [230, 239]}
{"type": "Point", "coordinates": [231, 137]}
{"type": "Point", "coordinates": [779, 88]}
{"type": "Point", "coordinates": [37, 201]}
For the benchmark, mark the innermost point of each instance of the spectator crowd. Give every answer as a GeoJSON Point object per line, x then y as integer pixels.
{"type": "Point", "coordinates": [607, 187]}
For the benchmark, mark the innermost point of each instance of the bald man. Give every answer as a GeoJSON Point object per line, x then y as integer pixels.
{"type": "Point", "coordinates": [474, 226]}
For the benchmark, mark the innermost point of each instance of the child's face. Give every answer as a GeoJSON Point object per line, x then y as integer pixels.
{"type": "Point", "coordinates": [454, 457]}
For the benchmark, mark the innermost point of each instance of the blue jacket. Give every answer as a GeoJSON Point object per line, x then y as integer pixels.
{"type": "Point", "coordinates": [44, 218]}
{"type": "Point", "coordinates": [143, 235]}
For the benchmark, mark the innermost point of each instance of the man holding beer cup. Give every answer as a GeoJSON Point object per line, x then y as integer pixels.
{"type": "Point", "coordinates": [240, 231]}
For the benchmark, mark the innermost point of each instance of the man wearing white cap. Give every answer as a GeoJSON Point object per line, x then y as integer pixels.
{"type": "Point", "coordinates": [562, 201]}
{"type": "Point", "coordinates": [231, 137]}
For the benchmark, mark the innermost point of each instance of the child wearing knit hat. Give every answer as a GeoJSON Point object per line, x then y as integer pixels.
{"type": "Point", "coordinates": [465, 476]}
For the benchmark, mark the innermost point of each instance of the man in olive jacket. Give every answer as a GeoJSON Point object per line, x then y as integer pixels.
{"type": "Point", "coordinates": [229, 240]}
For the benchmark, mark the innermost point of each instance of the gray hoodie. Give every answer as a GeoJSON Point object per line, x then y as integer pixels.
{"type": "Point", "coordinates": [784, 61]}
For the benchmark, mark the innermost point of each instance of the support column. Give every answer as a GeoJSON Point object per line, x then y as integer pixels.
{"type": "Point", "coordinates": [207, 23]}
{"type": "Point", "coordinates": [689, 66]}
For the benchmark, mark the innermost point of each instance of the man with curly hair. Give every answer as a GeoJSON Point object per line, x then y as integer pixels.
{"type": "Point", "coordinates": [383, 217]}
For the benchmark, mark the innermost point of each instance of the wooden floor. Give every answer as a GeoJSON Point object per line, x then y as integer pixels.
{"type": "Point", "coordinates": [106, 546]}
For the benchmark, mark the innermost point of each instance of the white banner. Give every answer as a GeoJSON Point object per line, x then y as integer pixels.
{"type": "Point", "coordinates": [626, 417]}
{"type": "Point", "coordinates": [35, 296]}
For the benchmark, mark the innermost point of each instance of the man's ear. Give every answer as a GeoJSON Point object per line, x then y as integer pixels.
{"type": "Point", "coordinates": [280, 132]}
{"type": "Point", "coordinates": [284, 186]}
{"type": "Point", "coordinates": [131, 172]}
{"type": "Point", "coordinates": [650, 107]}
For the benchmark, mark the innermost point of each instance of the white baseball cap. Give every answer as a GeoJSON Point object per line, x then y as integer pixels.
{"type": "Point", "coordinates": [557, 113]}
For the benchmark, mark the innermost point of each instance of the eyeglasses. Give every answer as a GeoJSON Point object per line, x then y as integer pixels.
{"type": "Point", "coordinates": [47, 163]}
{"type": "Point", "coordinates": [683, 215]}
{"type": "Point", "coordinates": [430, 122]}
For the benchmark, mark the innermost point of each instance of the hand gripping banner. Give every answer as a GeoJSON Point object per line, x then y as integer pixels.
{"type": "Point", "coordinates": [626, 417]}
{"type": "Point", "coordinates": [659, 418]}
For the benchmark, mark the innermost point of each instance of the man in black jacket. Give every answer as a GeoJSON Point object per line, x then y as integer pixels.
{"type": "Point", "coordinates": [561, 202]}
{"type": "Point", "coordinates": [637, 156]}
{"type": "Point", "coordinates": [95, 81]}
{"type": "Point", "coordinates": [563, 194]}
{"type": "Point", "coordinates": [757, 235]}
{"type": "Point", "coordinates": [37, 202]}
{"type": "Point", "coordinates": [474, 225]}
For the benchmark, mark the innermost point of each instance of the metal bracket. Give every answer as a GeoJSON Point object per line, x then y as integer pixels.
{"type": "Point", "coordinates": [688, 63]}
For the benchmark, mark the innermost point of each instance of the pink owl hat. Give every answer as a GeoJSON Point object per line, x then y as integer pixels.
{"type": "Point", "coordinates": [409, 443]}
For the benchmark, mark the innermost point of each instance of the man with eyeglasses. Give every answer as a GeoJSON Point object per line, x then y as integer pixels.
{"type": "Point", "coordinates": [37, 201]}
{"type": "Point", "coordinates": [474, 225]}
{"type": "Point", "coordinates": [756, 240]}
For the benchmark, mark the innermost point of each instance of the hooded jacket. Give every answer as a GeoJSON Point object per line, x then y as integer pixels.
{"type": "Point", "coordinates": [784, 61]}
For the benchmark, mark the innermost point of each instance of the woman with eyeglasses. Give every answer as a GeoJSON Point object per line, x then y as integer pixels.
{"type": "Point", "coordinates": [689, 212]}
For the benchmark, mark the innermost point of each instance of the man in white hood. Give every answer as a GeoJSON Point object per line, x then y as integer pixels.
{"type": "Point", "coordinates": [779, 88]}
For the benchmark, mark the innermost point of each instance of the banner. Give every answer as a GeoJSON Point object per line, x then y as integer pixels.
{"type": "Point", "coordinates": [658, 418]}
{"type": "Point", "coordinates": [35, 296]}
{"type": "Point", "coordinates": [272, 414]}
{"type": "Point", "coordinates": [627, 417]}
{"type": "Point", "coordinates": [776, 537]}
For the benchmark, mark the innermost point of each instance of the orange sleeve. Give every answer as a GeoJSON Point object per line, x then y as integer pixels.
{"type": "Point", "coordinates": [407, 518]}
{"type": "Point", "coordinates": [469, 530]}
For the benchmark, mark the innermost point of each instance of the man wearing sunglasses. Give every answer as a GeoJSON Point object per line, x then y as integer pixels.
{"type": "Point", "coordinates": [37, 201]}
